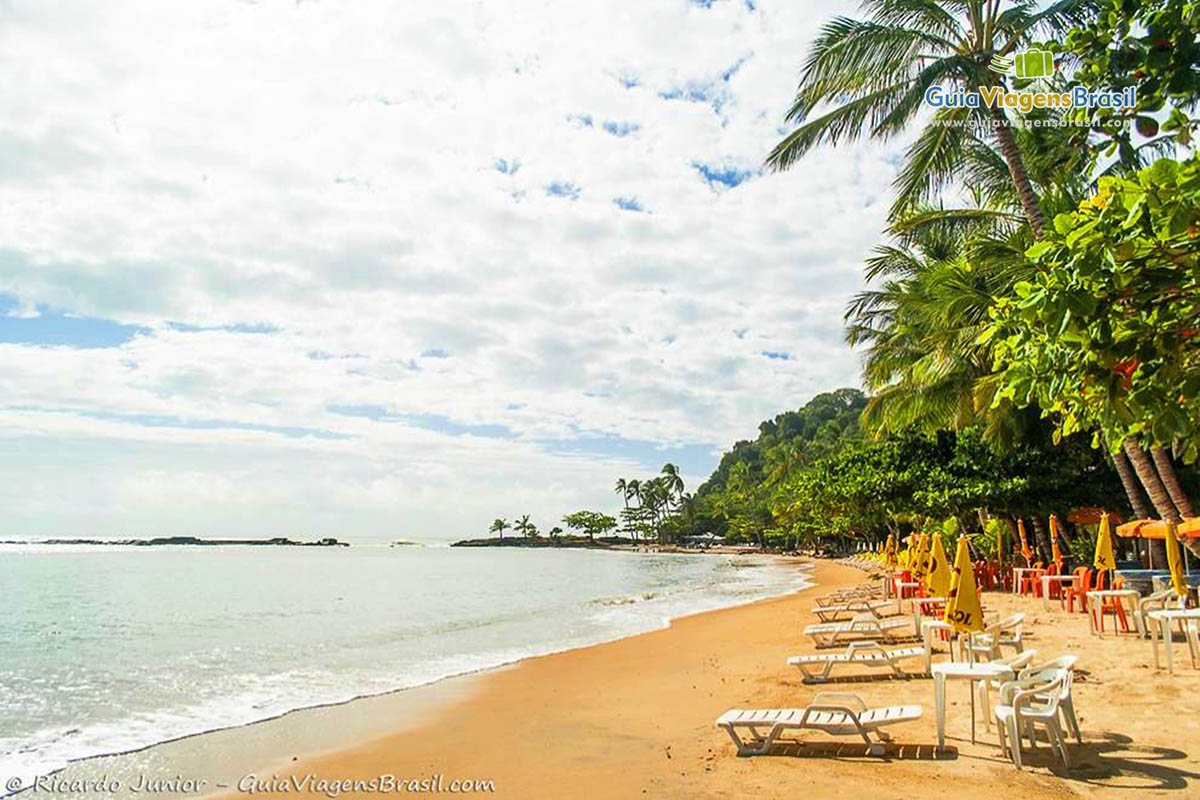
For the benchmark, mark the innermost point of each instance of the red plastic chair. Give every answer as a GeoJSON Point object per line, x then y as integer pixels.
{"type": "Point", "coordinates": [1112, 605]}
{"type": "Point", "coordinates": [1051, 571]}
{"type": "Point", "coordinates": [1031, 582]}
{"type": "Point", "coordinates": [1077, 593]}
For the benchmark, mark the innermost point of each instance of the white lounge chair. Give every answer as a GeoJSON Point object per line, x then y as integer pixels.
{"type": "Point", "coordinates": [863, 626]}
{"type": "Point", "coordinates": [866, 654]}
{"type": "Point", "coordinates": [754, 731]}
{"type": "Point", "coordinates": [863, 592]}
{"type": "Point", "coordinates": [834, 611]}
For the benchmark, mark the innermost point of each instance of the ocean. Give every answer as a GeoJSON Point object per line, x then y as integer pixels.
{"type": "Point", "coordinates": [105, 649]}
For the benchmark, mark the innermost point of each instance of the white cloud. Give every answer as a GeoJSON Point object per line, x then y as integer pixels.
{"type": "Point", "coordinates": [329, 169]}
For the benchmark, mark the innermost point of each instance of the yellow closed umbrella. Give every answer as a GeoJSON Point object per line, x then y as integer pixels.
{"type": "Point", "coordinates": [1104, 549]}
{"type": "Point", "coordinates": [921, 564]}
{"type": "Point", "coordinates": [889, 551]}
{"type": "Point", "coordinates": [962, 603]}
{"type": "Point", "coordinates": [1057, 553]}
{"type": "Point", "coordinates": [1026, 552]}
{"type": "Point", "coordinates": [938, 580]}
{"type": "Point", "coordinates": [1175, 560]}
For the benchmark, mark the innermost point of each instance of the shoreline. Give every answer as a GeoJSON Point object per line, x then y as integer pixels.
{"type": "Point", "coordinates": [273, 738]}
{"type": "Point", "coordinates": [634, 717]}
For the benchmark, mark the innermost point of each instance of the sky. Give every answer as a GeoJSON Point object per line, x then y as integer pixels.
{"type": "Point", "coordinates": [383, 270]}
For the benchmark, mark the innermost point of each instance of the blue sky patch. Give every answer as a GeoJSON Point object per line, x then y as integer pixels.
{"type": "Point", "coordinates": [580, 120]}
{"type": "Point", "coordinates": [237, 327]}
{"type": "Point", "coordinates": [620, 128]}
{"type": "Point", "coordinates": [507, 166]}
{"type": "Point", "coordinates": [778, 355]}
{"type": "Point", "coordinates": [628, 204]}
{"type": "Point", "coordinates": [725, 176]}
{"type": "Point", "coordinates": [629, 79]}
{"type": "Point", "coordinates": [692, 459]}
{"type": "Point", "coordinates": [51, 328]}
{"type": "Point", "coordinates": [171, 421]}
{"type": "Point", "coordinates": [432, 422]}
{"type": "Point", "coordinates": [435, 352]}
{"type": "Point", "coordinates": [563, 189]}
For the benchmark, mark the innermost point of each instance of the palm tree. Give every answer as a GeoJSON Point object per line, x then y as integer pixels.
{"type": "Point", "coordinates": [875, 73]}
{"type": "Point", "coordinates": [499, 526]}
{"type": "Point", "coordinates": [673, 482]}
{"type": "Point", "coordinates": [919, 327]}
{"type": "Point", "coordinates": [622, 489]}
{"type": "Point", "coordinates": [523, 525]}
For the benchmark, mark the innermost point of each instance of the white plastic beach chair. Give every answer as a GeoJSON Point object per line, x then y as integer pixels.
{"type": "Point", "coordinates": [866, 654]}
{"type": "Point", "coordinates": [863, 626]}
{"type": "Point", "coordinates": [1007, 632]}
{"type": "Point", "coordinates": [1029, 703]}
{"type": "Point", "coordinates": [1158, 601]}
{"type": "Point", "coordinates": [1045, 671]}
{"type": "Point", "coordinates": [835, 714]}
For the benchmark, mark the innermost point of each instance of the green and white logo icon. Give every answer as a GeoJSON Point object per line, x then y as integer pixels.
{"type": "Point", "coordinates": [1036, 62]}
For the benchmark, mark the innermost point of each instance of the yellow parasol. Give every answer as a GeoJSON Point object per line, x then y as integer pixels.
{"type": "Point", "coordinates": [1175, 560]}
{"type": "Point", "coordinates": [889, 551]}
{"type": "Point", "coordinates": [962, 604]}
{"type": "Point", "coordinates": [938, 580]}
{"type": "Point", "coordinates": [921, 562]}
{"type": "Point", "coordinates": [1057, 553]}
{"type": "Point", "coordinates": [1104, 550]}
{"type": "Point", "coordinates": [1026, 553]}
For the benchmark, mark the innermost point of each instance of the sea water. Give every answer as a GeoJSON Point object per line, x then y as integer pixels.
{"type": "Point", "coordinates": [105, 649]}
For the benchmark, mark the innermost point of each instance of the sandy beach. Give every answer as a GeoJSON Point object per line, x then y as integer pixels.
{"type": "Point", "coordinates": [634, 718]}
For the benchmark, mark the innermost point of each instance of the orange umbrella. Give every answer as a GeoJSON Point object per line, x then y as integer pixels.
{"type": "Point", "coordinates": [1025, 551]}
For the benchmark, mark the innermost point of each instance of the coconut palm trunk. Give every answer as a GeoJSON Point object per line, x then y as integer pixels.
{"type": "Point", "coordinates": [1166, 471]}
{"type": "Point", "coordinates": [1133, 490]}
{"type": "Point", "coordinates": [1020, 175]}
{"type": "Point", "coordinates": [1157, 493]}
{"type": "Point", "coordinates": [1041, 534]}
{"type": "Point", "coordinates": [1149, 477]}
{"type": "Point", "coordinates": [1183, 503]}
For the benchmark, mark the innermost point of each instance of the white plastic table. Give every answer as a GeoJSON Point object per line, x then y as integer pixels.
{"type": "Point", "coordinates": [927, 608]}
{"type": "Point", "coordinates": [1127, 597]}
{"type": "Point", "coordinates": [931, 629]}
{"type": "Point", "coordinates": [1160, 625]}
{"type": "Point", "coordinates": [1019, 572]}
{"type": "Point", "coordinates": [961, 670]}
{"type": "Point", "coordinates": [1064, 580]}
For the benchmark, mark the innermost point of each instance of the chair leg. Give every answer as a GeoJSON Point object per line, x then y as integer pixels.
{"type": "Point", "coordinates": [1015, 740]}
{"type": "Point", "coordinates": [1068, 709]}
{"type": "Point", "coordinates": [1056, 736]}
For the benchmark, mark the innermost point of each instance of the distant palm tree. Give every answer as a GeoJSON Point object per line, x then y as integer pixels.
{"type": "Point", "coordinates": [499, 526]}
{"type": "Point", "coordinates": [672, 481]}
{"type": "Point", "coordinates": [523, 525]}
{"type": "Point", "coordinates": [874, 74]}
